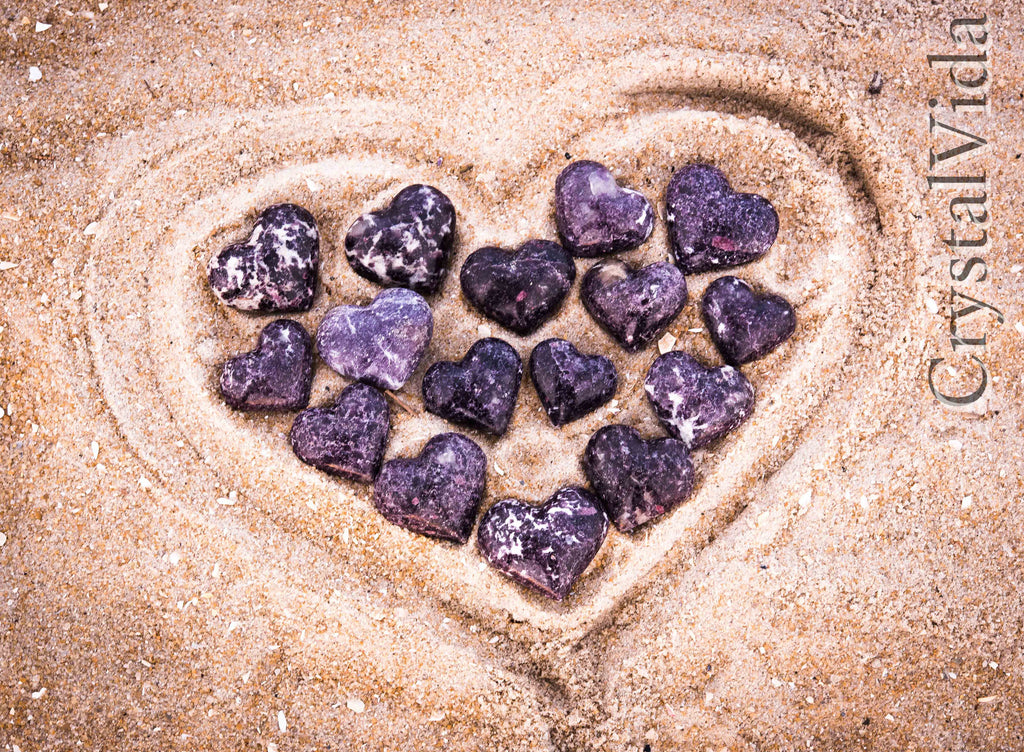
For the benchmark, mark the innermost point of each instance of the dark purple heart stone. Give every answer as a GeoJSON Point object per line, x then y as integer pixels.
{"type": "Point", "coordinates": [696, 404]}
{"type": "Point", "coordinates": [277, 375]}
{"type": "Point", "coordinates": [546, 547]}
{"type": "Point", "coordinates": [745, 326]}
{"type": "Point", "coordinates": [346, 439]}
{"type": "Point", "coordinates": [478, 391]}
{"type": "Point", "coordinates": [407, 244]}
{"type": "Point", "coordinates": [439, 492]}
{"type": "Point", "coordinates": [712, 227]}
{"type": "Point", "coordinates": [519, 290]}
{"type": "Point", "coordinates": [570, 384]}
{"type": "Point", "coordinates": [275, 269]}
{"type": "Point", "coordinates": [637, 480]}
{"type": "Point", "coordinates": [381, 343]}
{"type": "Point", "coordinates": [595, 215]}
{"type": "Point", "coordinates": [635, 307]}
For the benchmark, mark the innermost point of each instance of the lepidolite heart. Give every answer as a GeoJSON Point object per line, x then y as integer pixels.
{"type": "Point", "coordinates": [439, 492]}
{"type": "Point", "coordinates": [637, 480]}
{"type": "Point", "coordinates": [380, 344]}
{"type": "Point", "coordinates": [346, 439]}
{"type": "Point", "coordinates": [277, 375]}
{"type": "Point", "coordinates": [275, 269]}
{"type": "Point", "coordinates": [696, 404]}
{"type": "Point", "coordinates": [710, 226]}
{"type": "Point", "coordinates": [408, 243]}
{"type": "Point", "coordinates": [634, 306]}
{"type": "Point", "coordinates": [519, 290]}
{"type": "Point", "coordinates": [744, 325]}
{"type": "Point", "coordinates": [569, 383]}
{"type": "Point", "coordinates": [478, 391]}
{"type": "Point", "coordinates": [595, 215]}
{"type": "Point", "coordinates": [545, 547]}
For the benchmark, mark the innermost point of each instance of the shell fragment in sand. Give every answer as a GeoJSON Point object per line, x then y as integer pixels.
{"type": "Point", "coordinates": [356, 706]}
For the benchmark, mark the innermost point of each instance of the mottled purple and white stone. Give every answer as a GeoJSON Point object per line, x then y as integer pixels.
{"type": "Point", "coordinates": [437, 493]}
{"type": "Point", "coordinates": [380, 344]}
{"type": "Point", "coordinates": [637, 480]}
{"type": "Point", "coordinates": [743, 325]}
{"type": "Point", "coordinates": [406, 244]}
{"type": "Point", "coordinates": [595, 215]}
{"type": "Point", "coordinates": [710, 226]}
{"type": "Point", "coordinates": [478, 391]}
{"type": "Point", "coordinates": [547, 547]}
{"type": "Point", "coordinates": [697, 404]}
{"type": "Point", "coordinates": [277, 375]}
{"type": "Point", "coordinates": [519, 290]}
{"type": "Point", "coordinates": [634, 306]}
{"type": "Point", "coordinates": [275, 269]}
{"type": "Point", "coordinates": [570, 384]}
{"type": "Point", "coordinates": [346, 439]}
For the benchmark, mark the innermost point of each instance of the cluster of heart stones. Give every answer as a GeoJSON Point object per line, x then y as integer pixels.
{"type": "Point", "coordinates": [406, 248]}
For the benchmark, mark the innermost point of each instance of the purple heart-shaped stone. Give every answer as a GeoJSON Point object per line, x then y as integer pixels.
{"type": "Point", "coordinates": [637, 480]}
{"type": "Point", "coordinates": [381, 343]}
{"type": "Point", "coordinates": [696, 404]}
{"type": "Point", "coordinates": [519, 290]}
{"type": "Point", "coordinates": [277, 375]}
{"type": "Point", "coordinates": [437, 493]}
{"type": "Point", "coordinates": [569, 383]}
{"type": "Point", "coordinates": [406, 244]}
{"type": "Point", "coordinates": [595, 215]}
{"type": "Point", "coordinates": [346, 439]}
{"type": "Point", "coordinates": [710, 226]}
{"type": "Point", "coordinates": [546, 547]}
{"type": "Point", "coordinates": [275, 269]}
{"type": "Point", "coordinates": [478, 391]}
{"type": "Point", "coordinates": [634, 306]}
{"type": "Point", "coordinates": [744, 325]}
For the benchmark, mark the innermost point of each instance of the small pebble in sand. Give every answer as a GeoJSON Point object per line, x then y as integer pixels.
{"type": "Point", "coordinates": [356, 706]}
{"type": "Point", "coordinates": [744, 325]}
{"type": "Point", "coordinates": [277, 375]}
{"type": "Point", "coordinates": [570, 384]}
{"type": "Point", "coordinates": [34, 74]}
{"type": "Point", "coordinates": [875, 86]}
{"type": "Point", "coordinates": [3, 539]}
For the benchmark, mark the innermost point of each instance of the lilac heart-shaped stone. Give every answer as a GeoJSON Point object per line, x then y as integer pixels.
{"type": "Point", "coordinates": [546, 547]}
{"type": "Point", "coordinates": [569, 383]}
{"type": "Point", "coordinates": [710, 226]}
{"type": "Point", "coordinates": [346, 439]}
{"type": "Point", "coordinates": [277, 375]}
{"type": "Point", "coordinates": [634, 306]}
{"type": "Point", "coordinates": [595, 215]}
{"type": "Point", "coordinates": [406, 244]}
{"type": "Point", "coordinates": [744, 325]}
{"type": "Point", "coordinates": [637, 480]}
{"type": "Point", "coordinates": [519, 290]}
{"type": "Point", "coordinates": [696, 404]}
{"type": "Point", "coordinates": [478, 391]}
{"type": "Point", "coordinates": [275, 269]}
{"type": "Point", "coordinates": [381, 343]}
{"type": "Point", "coordinates": [437, 493]}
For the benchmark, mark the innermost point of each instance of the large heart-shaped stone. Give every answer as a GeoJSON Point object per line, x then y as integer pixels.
{"type": "Point", "coordinates": [569, 383]}
{"type": "Point", "coordinates": [277, 375]}
{"type": "Point", "coordinates": [745, 326]}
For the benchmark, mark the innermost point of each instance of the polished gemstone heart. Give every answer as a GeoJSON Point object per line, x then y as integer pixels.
{"type": "Point", "coordinates": [745, 326]}
{"type": "Point", "coordinates": [569, 383]}
{"type": "Point", "coordinates": [546, 547]}
{"type": "Point", "coordinates": [277, 375]}
{"type": "Point", "coordinates": [710, 226]}
{"type": "Point", "coordinates": [275, 269]}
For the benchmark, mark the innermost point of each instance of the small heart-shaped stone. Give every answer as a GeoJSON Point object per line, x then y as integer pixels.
{"type": "Point", "coordinates": [595, 215]}
{"type": "Point", "coordinates": [439, 492]}
{"type": "Point", "coordinates": [744, 325]}
{"type": "Point", "coordinates": [696, 404]}
{"type": "Point", "coordinates": [478, 391]}
{"type": "Point", "coordinates": [275, 269]}
{"type": "Point", "coordinates": [710, 226]}
{"type": "Point", "coordinates": [381, 343]}
{"type": "Point", "coordinates": [546, 547]}
{"type": "Point", "coordinates": [519, 290]}
{"type": "Point", "coordinates": [635, 307]}
{"type": "Point", "coordinates": [277, 375]}
{"type": "Point", "coordinates": [637, 480]}
{"type": "Point", "coordinates": [346, 439]}
{"type": "Point", "coordinates": [570, 384]}
{"type": "Point", "coordinates": [408, 243]}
